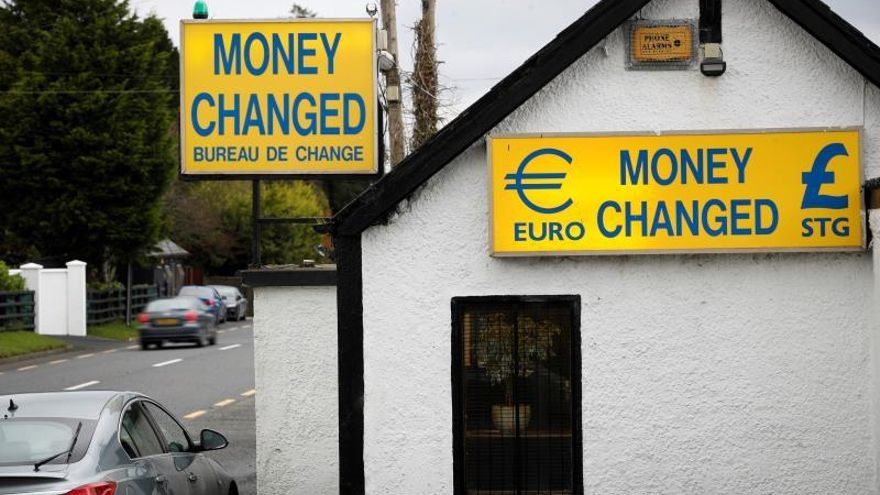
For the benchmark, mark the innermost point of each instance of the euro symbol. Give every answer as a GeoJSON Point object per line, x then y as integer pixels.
{"type": "Point", "coordinates": [818, 176]}
{"type": "Point", "coordinates": [521, 176]}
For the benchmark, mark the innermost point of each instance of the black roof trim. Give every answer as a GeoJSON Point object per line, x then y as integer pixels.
{"type": "Point", "coordinates": [380, 200]}
{"type": "Point", "coordinates": [293, 277]}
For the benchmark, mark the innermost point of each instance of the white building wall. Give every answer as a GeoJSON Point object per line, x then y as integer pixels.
{"type": "Point", "coordinates": [702, 373]}
{"type": "Point", "coordinates": [297, 404]}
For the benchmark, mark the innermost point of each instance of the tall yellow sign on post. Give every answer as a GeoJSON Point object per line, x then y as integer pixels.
{"type": "Point", "coordinates": [274, 98]}
{"type": "Point", "coordinates": [699, 192]}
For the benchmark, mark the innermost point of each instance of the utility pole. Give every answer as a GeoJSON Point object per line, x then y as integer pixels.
{"type": "Point", "coordinates": [423, 82]}
{"type": "Point", "coordinates": [396, 135]}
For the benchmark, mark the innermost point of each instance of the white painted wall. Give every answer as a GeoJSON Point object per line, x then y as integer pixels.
{"type": "Point", "coordinates": [701, 374]}
{"type": "Point", "coordinates": [297, 404]}
{"type": "Point", "coordinates": [59, 296]}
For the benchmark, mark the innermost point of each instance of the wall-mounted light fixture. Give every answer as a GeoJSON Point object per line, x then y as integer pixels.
{"type": "Point", "coordinates": [713, 64]}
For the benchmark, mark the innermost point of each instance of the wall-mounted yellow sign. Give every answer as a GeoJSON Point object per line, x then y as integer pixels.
{"type": "Point", "coordinates": [659, 44]}
{"type": "Point", "coordinates": [605, 194]}
{"type": "Point", "coordinates": [286, 97]}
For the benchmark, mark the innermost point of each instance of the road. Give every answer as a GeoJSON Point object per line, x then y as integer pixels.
{"type": "Point", "coordinates": [209, 387]}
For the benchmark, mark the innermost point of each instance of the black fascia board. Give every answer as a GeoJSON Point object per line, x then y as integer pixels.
{"type": "Point", "coordinates": [472, 124]}
{"type": "Point", "coordinates": [294, 277]}
{"type": "Point", "coordinates": [380, 200]}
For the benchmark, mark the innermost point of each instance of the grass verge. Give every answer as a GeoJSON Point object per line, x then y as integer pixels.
{"type": "Point", "coordinates": [21, 343]}
{"type": "Point", "coordinates": [116, 330]}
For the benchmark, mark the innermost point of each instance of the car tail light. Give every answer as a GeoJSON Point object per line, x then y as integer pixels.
{"type": "Point", "coordinates": [143, 318]}
{"type": "Point", "coordinates": [103, 488]}
{"type": "Point", "coordinates": [191, 315]}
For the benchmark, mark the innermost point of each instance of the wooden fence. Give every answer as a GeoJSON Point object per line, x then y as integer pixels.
{"type": "Point", "coordinates": [16, 311]}
{"type": "Point", "coordinates": [108, 305]}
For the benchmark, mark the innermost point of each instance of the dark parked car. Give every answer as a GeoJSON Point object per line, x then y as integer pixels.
{"type": "Point", "coordinates": [178, 319]}
{"type": "Point", "coordinates": [209, 297]}
{"type": "Point", "coordinates": [103, 443]}
{"type": "Point", "coordinates": [236, 304]}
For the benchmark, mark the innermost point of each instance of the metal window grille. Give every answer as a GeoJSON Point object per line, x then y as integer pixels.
{"type": "Point", "coordinates": [516, 395]}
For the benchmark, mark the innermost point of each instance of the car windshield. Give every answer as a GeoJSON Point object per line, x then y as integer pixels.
{"type": "Point", "coordinates": [196, 291]}
{"type": "Point", "coordinates": [228, 293]}
{"type": "Point", "coordinates": [29, 440]}
{"type": "Point", "coordinates": [179, 303]}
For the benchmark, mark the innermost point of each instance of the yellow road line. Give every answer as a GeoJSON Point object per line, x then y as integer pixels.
{"type": "Point", "coordinates": [224, 403]}
{"type": "Point", "coordinates": [249, 393]}
{"type": "Point", "coordinates": [195, 414]}
{"type": "Point", "coordinates": [25, 368]}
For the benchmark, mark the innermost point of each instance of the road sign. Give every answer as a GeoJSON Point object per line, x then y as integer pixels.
{"type": "Point", "coordinates": [687, 192]}
{"type": "Point", "coordinates": [291, 97]}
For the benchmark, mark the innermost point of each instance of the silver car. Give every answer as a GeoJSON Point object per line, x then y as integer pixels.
{"type": "Point", "coordinates": [236, 304]}
{"type": "Point", "coordinates": [103, 443]}
{"type": "Point", "coordinates": [177, 319]}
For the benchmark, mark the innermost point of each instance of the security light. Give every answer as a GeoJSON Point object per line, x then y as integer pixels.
{"type": "Point", "coordinates": [713, 64]}
{"type": "Point", "coordinates": [386, 61]}
{"type": "Point", "coordinates": [372, 9]}
{"type": "Point", "coordinates": [200, 10]}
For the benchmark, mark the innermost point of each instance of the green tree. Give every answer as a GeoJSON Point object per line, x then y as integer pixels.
{"type": "Point", "coordinates": [87, 102]}
{"type": "Point", "coordinates": [10, 282]}
{"type": "Point", "coordinates": [212, 220]}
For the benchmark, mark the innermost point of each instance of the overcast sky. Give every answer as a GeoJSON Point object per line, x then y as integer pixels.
{"type": "Point", "coordinates": [480, 41]}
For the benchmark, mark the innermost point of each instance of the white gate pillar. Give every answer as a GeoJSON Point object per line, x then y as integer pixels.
{"type": "Point", "coordinates": [31, 275]}
{"type": "Point", "coordinates": [76, 298]}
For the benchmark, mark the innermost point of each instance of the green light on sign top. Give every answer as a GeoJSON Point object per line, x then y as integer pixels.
{"type": "Point", "coordinates": [200, 10]}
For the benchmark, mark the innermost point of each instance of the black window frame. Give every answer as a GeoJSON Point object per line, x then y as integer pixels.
{"type": "Point", "coordinates": [459, 304]}
{"type": "Point", "coordinates": [161, 433]}
{"type": "Point", "coordinates": [159, 437]}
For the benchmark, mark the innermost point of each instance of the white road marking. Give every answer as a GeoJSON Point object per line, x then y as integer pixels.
{"type": "Point", "coordinates": [132, 347]}
{"type": "Point", "coordinates": [224, 403]}
{"type": "Point", "coordinates": [221, 331]}
{"type": "Point", "coordinates": [249, 393]}
{"type": "Point", "coordinates": [25, 368]}
{"type": "Point", "coordinates": [108, 351]}
{"type": "Point", "coordinates": [85, 356]}
{"type": "Point", "coordinates": [194, 414]}
{"type": "Point", "coordinates": [166, 363]}
{"type": "Point", "coordinates": [83, 385]}
{"type": "Point", "coordinates": [233, 346]}
{"type": "Point", "coordinates": [59, 361]}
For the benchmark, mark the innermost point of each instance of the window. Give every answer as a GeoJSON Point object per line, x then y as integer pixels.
{"type": "Point", "coordinates": [516, 395]}
{"type": "Point", "coordinates": [175, 436]}
{"type": "Point", "coordinates": [137, 435]}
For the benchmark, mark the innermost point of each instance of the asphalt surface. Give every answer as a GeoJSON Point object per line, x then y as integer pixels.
{"type": "Point", "coordinates": [209, 387]}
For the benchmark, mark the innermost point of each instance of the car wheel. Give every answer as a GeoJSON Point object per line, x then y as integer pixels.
{"type": "Point", "coordinates": [158, 345]}
{"type": "Point", "coordinates": [212, 340]}
{"type": "Point", "coordinates": [202, 339]}
{"type": "Point", "coordinates": [243, 315]}
{"type": "Point", "coordinates": [144, 346]}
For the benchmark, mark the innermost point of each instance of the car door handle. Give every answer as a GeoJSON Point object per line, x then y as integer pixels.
{"type": "Point", "coordinates": [192, 477]}
{"type": "Point", "coordinates": [161, 479]}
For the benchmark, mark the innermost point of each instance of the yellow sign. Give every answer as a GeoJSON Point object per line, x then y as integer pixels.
{"type": "Point", "coordinates": [759, 191]}
{"type": "Point", "coordinates": [662, 43]}
{"type": "Point", "coordinates": [286, 97]}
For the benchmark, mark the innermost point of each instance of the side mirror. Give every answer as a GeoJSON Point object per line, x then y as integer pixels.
{"type": "Point", "coordinates": [211, 440]}
{"type": "Point", "coordinates": [238, 297]}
